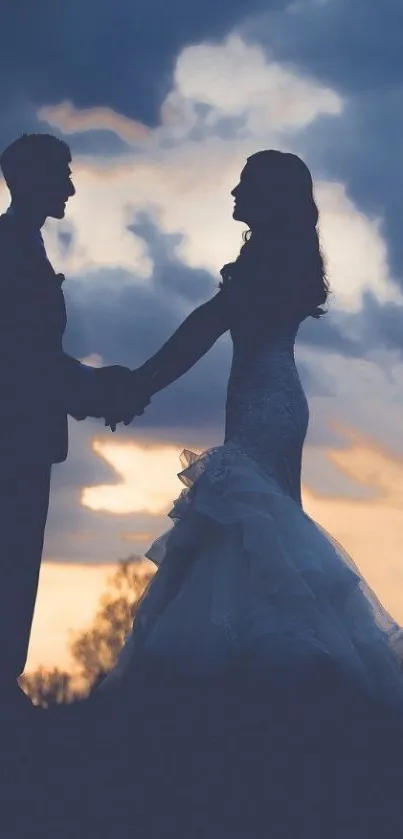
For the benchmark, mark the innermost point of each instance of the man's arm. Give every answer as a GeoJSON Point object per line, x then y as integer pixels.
{"type": "Point", "coordinates": [29, 363]}
{"type": "Point", "coordinates": [98, 391]}
{"type": "Point", "coordinates": [78, 388]}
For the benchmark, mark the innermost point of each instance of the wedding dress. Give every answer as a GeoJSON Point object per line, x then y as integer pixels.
{"type": "Point", "coordinates": [245, 575]}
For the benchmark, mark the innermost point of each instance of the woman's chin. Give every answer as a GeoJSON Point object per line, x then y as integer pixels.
{"type": "Point", "coordinates": [238, 215]}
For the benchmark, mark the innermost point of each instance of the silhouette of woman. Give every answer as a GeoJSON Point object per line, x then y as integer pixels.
{"type": "Point", "coordinates": [258, 658]}
{"type": "Point", "coordinates": [245, 576]}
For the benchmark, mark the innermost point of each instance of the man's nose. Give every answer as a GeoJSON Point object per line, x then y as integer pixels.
{"type": "Point", "coordinates": [72, 189]}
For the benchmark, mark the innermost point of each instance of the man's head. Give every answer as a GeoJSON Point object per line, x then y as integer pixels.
{"type": "Point", "coordinates": [36, 168]}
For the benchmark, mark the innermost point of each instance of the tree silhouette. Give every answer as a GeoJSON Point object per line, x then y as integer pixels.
{"type": "Point", "coordinates": [94, 650]}
{"type": "Point", "coordinates": [47, 687]}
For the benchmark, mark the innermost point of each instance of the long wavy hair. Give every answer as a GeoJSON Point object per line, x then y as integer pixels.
{"type": "Point", "coordinates": [282, 259]}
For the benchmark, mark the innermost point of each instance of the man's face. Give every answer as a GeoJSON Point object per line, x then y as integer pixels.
{"type": "Point", "coordinates": [54, 190]}
{"type": "Point", "coordinates": [47, 189]}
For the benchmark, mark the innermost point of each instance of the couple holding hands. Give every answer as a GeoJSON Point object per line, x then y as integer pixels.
{"type": "Point", "coordinates": [246, 576]}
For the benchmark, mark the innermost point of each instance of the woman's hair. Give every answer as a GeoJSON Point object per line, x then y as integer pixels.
{"type": "Point", "coordinates": [283, 259]}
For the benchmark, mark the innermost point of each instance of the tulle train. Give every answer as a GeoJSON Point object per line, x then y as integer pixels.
{"type": "Point", "coordinates": [247, 578]}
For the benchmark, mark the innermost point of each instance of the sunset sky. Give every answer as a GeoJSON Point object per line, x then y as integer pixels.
{"type": "Point", "coordinates": [161, 105]}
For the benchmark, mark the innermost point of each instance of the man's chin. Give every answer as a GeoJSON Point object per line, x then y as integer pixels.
{"type": "Point", "coordinates": [57, 212]}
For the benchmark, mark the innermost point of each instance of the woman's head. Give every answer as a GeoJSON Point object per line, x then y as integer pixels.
{"type": "Point", "coordinates": [275, 190]}
{"type": "Point", "coordinates": [281, 252]}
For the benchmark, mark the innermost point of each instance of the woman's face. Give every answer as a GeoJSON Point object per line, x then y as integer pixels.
{"type": "Point", "coordinates": [254, 199]}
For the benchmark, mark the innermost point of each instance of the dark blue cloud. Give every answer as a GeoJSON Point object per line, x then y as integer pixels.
{"type": "Point", "coordinates": [329, 333]}
{"type": "Point", "coordinates": [122, 318]}
{"type": "Point", "coordinates": [380, 325]}
{"type": "Point", "coordinates": [363, 149]}
{"type": "Point", "coordinates": [97, 142]}
{"type": "Point", "coordinates": [100, 52]}
{"type": "Point", "coordinates": [76, 533]}
{"type": "Point", "coordinates": [356, 48]}
{"type": "Point", "coordinates": [83, 466]}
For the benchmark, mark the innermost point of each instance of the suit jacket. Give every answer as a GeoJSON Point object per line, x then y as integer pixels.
{"type": "Point", "coordinates": [39, 383]}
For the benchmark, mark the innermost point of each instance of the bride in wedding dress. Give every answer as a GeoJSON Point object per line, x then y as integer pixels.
{"type": "Point", "coordinates": [249, 589]}
{"type": "Point", "coordinates": [245, 575]}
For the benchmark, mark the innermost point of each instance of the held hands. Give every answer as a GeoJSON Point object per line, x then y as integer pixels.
{"type": "Point", "coordinates": [125, 395]}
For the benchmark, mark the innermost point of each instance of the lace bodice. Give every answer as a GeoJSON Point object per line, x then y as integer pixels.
{"type": "Point", "coordinates": [267, 411]}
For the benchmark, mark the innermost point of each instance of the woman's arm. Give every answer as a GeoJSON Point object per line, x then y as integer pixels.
{"type": "Point", "coordinates": [194, 338]}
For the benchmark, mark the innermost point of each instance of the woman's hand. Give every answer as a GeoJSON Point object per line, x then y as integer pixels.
{"type": "Point", "coordinates": [133, 401]}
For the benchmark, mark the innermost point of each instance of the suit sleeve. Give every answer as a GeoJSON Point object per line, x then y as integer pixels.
{"type": "Point", "coordinates": [82, 389]}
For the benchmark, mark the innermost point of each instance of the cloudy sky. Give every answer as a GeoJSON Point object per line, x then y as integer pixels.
{"type": "Point", "coordinates": [161, 103]}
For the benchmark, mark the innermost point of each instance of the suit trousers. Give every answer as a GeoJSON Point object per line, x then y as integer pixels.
{"type": "Point", "coordinates": [24, 502]}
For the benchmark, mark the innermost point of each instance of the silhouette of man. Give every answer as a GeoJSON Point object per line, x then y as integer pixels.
{"type": "Point", "coordinates": [39, 384]}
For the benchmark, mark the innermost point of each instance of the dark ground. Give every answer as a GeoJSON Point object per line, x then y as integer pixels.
{"type": "Point", "coordinates": [297, 755]}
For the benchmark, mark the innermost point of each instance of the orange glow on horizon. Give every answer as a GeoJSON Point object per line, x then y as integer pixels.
{"type": "Point", "coordinates": [369, 528]}
{"type": "Point", "coordinates": [148, 473]}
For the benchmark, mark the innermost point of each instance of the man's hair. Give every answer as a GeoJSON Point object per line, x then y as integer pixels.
{"type": "Point", "coordinates": [30, 153]}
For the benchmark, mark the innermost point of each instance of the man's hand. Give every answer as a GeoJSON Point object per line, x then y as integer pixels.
{"type": "Point", "coordinates": [129, 399]}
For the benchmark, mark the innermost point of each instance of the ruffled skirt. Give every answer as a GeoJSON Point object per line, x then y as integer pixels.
{"type": "Point", "coordinates": [247, 580]}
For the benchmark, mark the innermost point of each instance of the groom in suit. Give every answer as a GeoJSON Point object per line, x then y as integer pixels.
{"type": "Point", "coordinates": [39, 384]}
